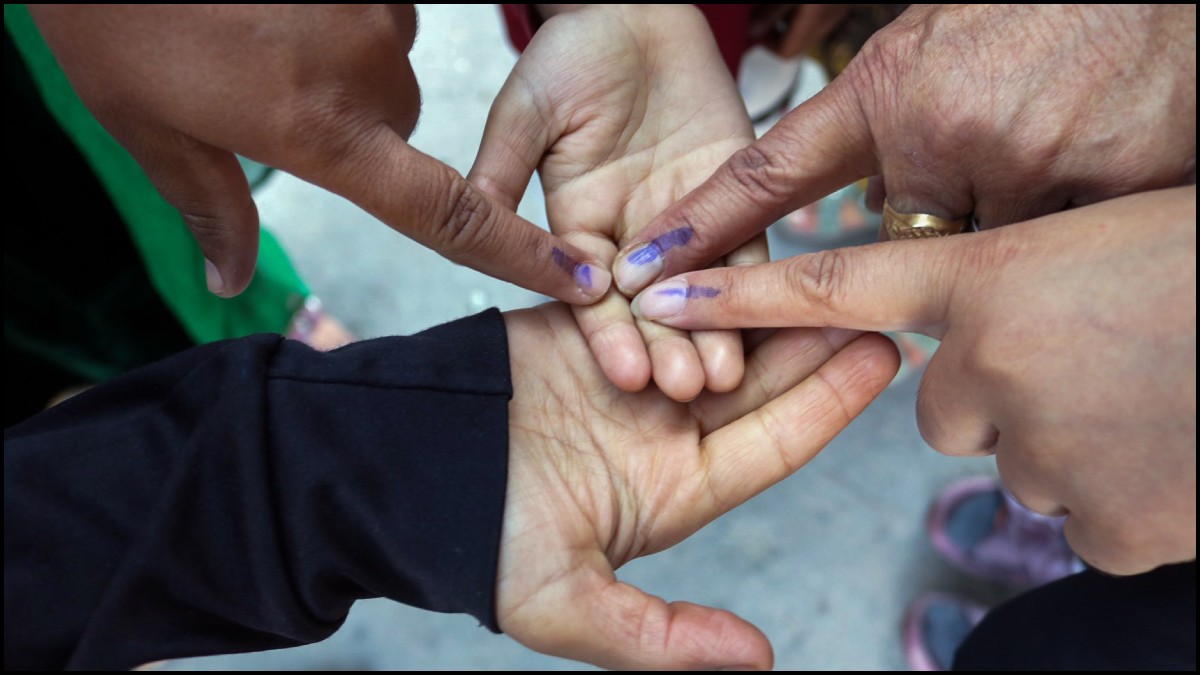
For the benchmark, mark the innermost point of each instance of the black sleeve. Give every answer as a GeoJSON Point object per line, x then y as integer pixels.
{"type": "Point", "coordinates": [242, 495]}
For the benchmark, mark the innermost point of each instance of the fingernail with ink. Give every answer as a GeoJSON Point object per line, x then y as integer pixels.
{"type": "Point", "coordinates": [665, 300]}
{"type": "Point", "coordinates": [639, 268]}
{"type": "Point", "coordinates": [592, 280]}
{"type": "Point", "coordinates": [212, 276]}
{"type": "Point", "coordinates": [643, 265]}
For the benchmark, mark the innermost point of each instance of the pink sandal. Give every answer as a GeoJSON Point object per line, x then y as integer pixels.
{"type": "Point", "coordinates": [981, 530]}
{"type": "Point", "coordinates": [315, 327]}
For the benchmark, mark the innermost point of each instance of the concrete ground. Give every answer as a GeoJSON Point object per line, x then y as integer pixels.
{"type": "Point", "coordinates": [824, 563]}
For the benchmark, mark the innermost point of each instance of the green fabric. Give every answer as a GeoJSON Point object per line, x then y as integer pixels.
{"type": "Point", "coordinates": [171, 257]}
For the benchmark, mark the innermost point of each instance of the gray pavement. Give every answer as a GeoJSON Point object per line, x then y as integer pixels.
{"type": "Point", "coordinates": [824, 563]}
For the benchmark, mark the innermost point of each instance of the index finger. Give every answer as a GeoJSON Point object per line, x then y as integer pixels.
{"type": "Point", "coordinates": [822, 145]}
{"type": "Point", "coordinates": [433, 204]}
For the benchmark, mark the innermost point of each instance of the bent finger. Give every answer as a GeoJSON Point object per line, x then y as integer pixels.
{"type": "Point", "coordinates": [207, 186]}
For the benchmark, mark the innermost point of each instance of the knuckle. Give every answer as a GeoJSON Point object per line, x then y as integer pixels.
{"type": "Point", "coordinates": [758, 174]}
{"type": "Point", "coordinates": [324, 129]}
{"type": "Point", "coordinates": [216, 225]}
{"type": "Point", "coordinates": [930, 120]}
{"type": "Point", "coordinates": [467, 221]}
{"type": "Point", "coordinates": [209, 230]}
{"type": "Point", "coordinates": [737, 292]}
{"type": "Point", "coordinates": [819, 279]}
{"type": "Point", "coordinates": [877, 72]}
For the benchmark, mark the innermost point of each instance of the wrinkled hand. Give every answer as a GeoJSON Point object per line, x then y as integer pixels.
{"type": "Point", "coordinates": [1068, 350]}
{"type": "Point", "coordinates": [598, 477]}
{"type": "Point", "coordinates": [1006, 112]}
{"type": "Point", "coordinates": [622, 110]}
{"type": "Point", "coordinates": [325, 93]}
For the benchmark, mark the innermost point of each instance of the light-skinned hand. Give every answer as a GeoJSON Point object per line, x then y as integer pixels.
{"type": "Point", "coordinates": [1068, 350]}
{"type": "Point", "coordinates": [599, 476]}
{"type": "Point", "coordinates": [622, 110]}
{"type": "Point", "coordinates": [1004, 112]}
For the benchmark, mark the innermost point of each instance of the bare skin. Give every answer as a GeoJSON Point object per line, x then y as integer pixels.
{"type": "Point", "coordinates": [605, 103]}
{"type": "Point", "coordinates": [599, 476]}
{"type": "Point", "coordinates": [1068, 350]}
{"type": "Point", "coordinates": [1004, 112]}
{"type": "Point", "coordinates": [325, 93]}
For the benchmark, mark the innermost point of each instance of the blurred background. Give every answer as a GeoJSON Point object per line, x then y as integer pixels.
{"type": "Point", "coordinates": [824, 563]}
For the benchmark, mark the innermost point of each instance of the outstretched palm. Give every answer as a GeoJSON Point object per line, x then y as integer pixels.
{"type": "Point", "coordinates": [599, 476]}
{"type": "Point", "coordinates": [623, 112]}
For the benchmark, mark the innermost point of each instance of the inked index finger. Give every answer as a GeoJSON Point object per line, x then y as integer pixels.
{"type": "Point", "coordinates": [822, 145]}
{"type": "Point", "coordinates": [433, 204]}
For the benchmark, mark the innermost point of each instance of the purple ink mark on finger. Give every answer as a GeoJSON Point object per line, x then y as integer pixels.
{"type": "Point", "coordinates": [564, 261]}
{"type": "Point", "coordinates": [581, 272]}
{"type": "Point", "coordinates": [691, 292]}
{"type": "Point", "coordinates": [655, 249]}
{"type": "Point", "coordinates": [677, 237]}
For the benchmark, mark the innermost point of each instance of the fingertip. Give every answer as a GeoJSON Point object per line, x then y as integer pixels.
{"type": "Point", "coordinates": [880, 359]}
{"type": "Point", "coordinates": [637, 267]}
{"type": "Point", "coordinates": [212, 277]}
{"type": "Point", "coordinates": [626, 369]}
{"type": "Point", "coordinates": [588, 282]}
{"type": "Point", "coordinates": [720, 639]}
{"type": "Point", "coordinates": [725, 377]}
{"type": "Point", "coordinates": [616, 343]}
{"type": "Point", "coordinates": [232, 280]}
{"type": "Point", "coordinates": [678, 371]}
{"type": "Point", "coordinates": [593, 281]}
{"type": "Point", "coordinates": [723, 357]}
{"type": "Point", "coordinates": [238, 271]}
{"type": "Point", "coordinates": [686, 302]}
{"type": "Point", "coordinates": [624, 628]}
{"type": "Point", "coordinates": [861, 370]}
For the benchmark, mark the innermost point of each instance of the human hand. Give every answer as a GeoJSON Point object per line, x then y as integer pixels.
{"type": "Point", "coordinates": [1004, 112]}
{"type": "Point", "coordinates": [598, 477]}
{"type": "Point", "coordinates": [622, 110]}
{"type": "Point", "coordinates": [792, 30]}
{"type": "Point", "coordinates": [323, 92]}
{"type": "Point", "coordinates": [1068, 350]}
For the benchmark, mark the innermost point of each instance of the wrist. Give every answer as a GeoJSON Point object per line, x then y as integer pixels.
{"type": "Point", "coordinates": [652, 21]}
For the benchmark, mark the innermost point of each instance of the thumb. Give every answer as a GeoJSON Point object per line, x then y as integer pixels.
{"type": "Point", "coordinates": [822, 145]}
{"type": "Point", "coordinates": [207, 186]}
{"type": "Point", "coordinates": [514, 141]}
{"type": "Point", "coordinates": [901, 285]}
{"type": "Point", "coordinates": [617, 626]}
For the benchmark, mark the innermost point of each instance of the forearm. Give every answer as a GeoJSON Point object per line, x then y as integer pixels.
{"type": "Point", "coordinates": [244, 494]}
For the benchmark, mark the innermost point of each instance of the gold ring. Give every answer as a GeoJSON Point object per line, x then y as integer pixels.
{"type": "Point", "coordinates": [918, 225]}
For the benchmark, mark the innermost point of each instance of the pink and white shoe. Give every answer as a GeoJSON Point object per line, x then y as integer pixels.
{"type": "Point", "coordinates": [981, 530]}
{"type": "Point", "coordinates": [935, 624]}
{"type": "Point", "coordinates": [316, 327]}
